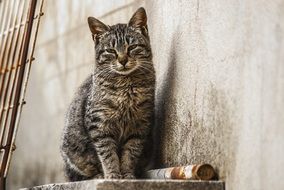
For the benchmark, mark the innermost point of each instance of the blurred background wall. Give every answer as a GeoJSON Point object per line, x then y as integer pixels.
{"type": "Point", "coordinates": [220, 86]}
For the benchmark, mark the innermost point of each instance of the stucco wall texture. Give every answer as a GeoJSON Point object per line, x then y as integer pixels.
{"type": "Point", "coordinates": [220, 91]}
{"type": "Point", "coordinates": [220, 86]}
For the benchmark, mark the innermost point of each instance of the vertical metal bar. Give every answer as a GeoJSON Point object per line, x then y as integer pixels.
{"type": "Point", "coordinates": [2, 4]}
{"type": "Point", "coordinates": [6, 94]}
{"type": "Point", "coordinates": [7, 26]}
{"type": "Point", "coordinates": [2, 87]}
{"type": "Point", "coordinates": [2, 61]}
{"type": "Point", "coordinates": [40, 13]}
{"type": "Point", "coordinates": [6, 37]}
{"type": "Point", "coordinates": [18, 91]}
{"type": "Point", "coordinates": [4, 14]}
{"type": "Point", "coordinates": [5, 44]}
{"type": "Point", "coordinates": [5, 62]}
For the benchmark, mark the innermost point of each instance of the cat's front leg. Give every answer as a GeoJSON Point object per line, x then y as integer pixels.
{"type": "Point", "coordinates": [106, 148]}
{"type": "Point", "coordinates": [130, 155]}
{"type": "Point", "coordinates": [105, 145]}
{"type": "Point", "coordinates": [107, 152]}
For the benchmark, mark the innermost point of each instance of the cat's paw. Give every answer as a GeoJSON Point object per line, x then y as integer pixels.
{"type": "Point", "coordinates": [113, 176]}
{"type": "Point", "coordinates": [128, 176]}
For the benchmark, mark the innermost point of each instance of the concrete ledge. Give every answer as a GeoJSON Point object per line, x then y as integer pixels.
{"type": "Point", "coordinates": [134, 185]}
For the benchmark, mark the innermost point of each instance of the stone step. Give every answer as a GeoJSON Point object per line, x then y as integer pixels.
{"type": "Point", "coordinates": [134, 185]}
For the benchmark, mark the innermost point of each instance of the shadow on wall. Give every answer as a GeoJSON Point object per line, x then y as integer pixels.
{"type": "Point", "coordinates": [188, 132]}
{"type": "Point", "coordinates": [162, 106]}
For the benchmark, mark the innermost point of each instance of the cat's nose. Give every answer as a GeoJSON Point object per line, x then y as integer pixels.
{"type": "Point", "coordinates": [123, 59]}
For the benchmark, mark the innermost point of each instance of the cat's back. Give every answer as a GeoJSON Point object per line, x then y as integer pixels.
{"type": "Point", "coordinates": [85, 88]}
{"type": "Point", "coordinates": [76, 110]}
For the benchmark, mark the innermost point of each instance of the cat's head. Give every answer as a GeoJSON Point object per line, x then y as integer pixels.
{"type": "Point", "coordinates": [122, 48]}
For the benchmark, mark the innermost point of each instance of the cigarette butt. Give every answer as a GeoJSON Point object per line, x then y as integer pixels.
{"type": "Point", "coordinates": [192, 172]}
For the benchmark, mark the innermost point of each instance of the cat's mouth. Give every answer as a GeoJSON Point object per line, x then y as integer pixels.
{"type": "Point", "coordinates": [125, 69]}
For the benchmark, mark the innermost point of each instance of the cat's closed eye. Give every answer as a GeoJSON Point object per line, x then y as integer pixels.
{"type": "Point", "coordinates": [135, 50]}
{"type": "Point", "coordinates": [111, 51]}
{"type": "Point", "coordinates": [132, 47]}
{"type": "Point", "coordinates": [108, 55]}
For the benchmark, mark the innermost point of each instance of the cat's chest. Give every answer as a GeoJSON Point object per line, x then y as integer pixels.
{"type": "Point", "coordinates": [129, 96]}
{"type": "Point", "coordinates": [127, 104]}
{"type": "Point", "coordinates": [128, 101]}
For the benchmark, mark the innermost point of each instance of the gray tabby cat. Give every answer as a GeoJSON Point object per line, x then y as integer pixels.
{"type": "Point", "coordinates": [108, 124]}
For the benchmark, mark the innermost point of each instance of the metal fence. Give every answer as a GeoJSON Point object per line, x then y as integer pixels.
{"type": "Point", "coordinates": [19, 22]}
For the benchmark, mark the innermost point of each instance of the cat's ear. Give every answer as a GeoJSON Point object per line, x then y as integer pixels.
{"type": "Point", "coordinates": [139, 19]}
{"type": "Point", "coordinates": [97, 27]}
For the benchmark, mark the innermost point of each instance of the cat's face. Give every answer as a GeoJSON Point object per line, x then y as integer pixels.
{"type": "Point", "coordinates": [122, 48]}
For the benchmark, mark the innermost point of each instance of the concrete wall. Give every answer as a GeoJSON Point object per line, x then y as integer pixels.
{"type": "Point", "coordinates": [220, 92]}
{"type": "Point", "coordinates": [220, 86]}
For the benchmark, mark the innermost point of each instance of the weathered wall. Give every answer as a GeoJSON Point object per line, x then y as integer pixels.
{"type": "Point", "coordinates": [220, 92]}
{"type": "Point", "coordinates": [220, 86]}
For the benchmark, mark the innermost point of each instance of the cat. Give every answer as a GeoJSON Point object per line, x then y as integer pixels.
{"type": "Point", "coordinates": [109, 123]}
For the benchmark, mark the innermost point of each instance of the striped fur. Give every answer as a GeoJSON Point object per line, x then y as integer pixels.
{"type": "Point", "coordinates": [109, 122]}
